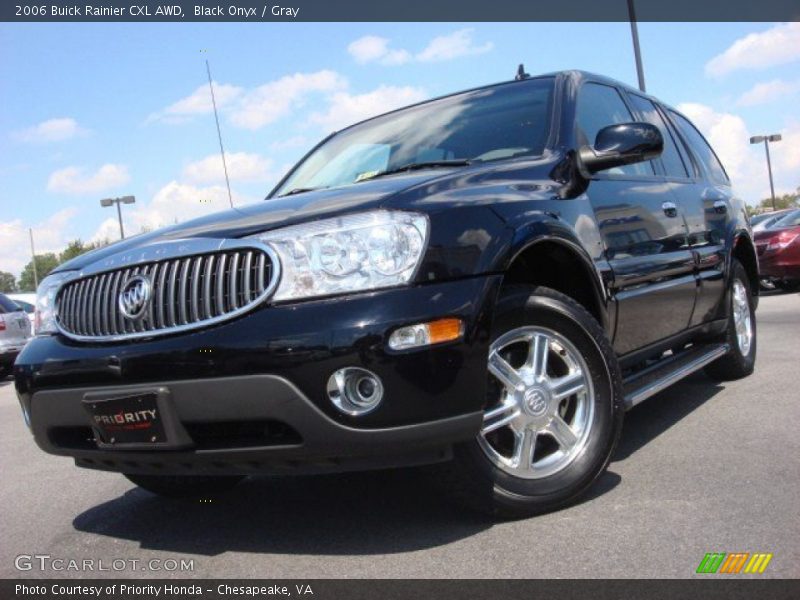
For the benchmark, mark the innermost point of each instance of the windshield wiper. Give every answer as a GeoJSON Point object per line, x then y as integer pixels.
{"type": "Point", "coordinates": [428, 164]}
{"type": "Point", "coordinates": [301, 190]}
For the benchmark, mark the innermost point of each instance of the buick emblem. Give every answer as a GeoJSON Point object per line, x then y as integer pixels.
{"type": "Point", "coordinates": [134, 297]}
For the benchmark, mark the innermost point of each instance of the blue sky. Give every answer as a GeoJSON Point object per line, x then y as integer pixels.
{"type": "Point", "coordinates": [96, 110]}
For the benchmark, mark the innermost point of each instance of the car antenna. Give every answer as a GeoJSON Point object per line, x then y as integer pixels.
{"type": "Point", "coordinates": [219, 134]}
{"type": "Point", "coordinates": [521, 74]}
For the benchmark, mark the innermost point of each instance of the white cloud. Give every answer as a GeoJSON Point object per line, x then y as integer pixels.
{"type": "Point", "coordinates": [776, 46]}
{"type": "Point", "coordinates": [75, 180]}
{"type": "Point", "coordinates": [271, 101]}
{"type": "Point", "coordinates": [767, 91]}
{"type": "Point", "coordinates": [454, 45]}
{"type": "Point", "coordinates": [52, 130]}
{"type": "Point", "coordinates": [346, 109]}
{"type": "Point", "coordinates": [745, 163]}
{"type": "Point", "coordinates": [254, 108]}
{"type": "Point", "coordinates": [198, 103]}
{"type": "Point", "coordinates": [242, 166]}
{"type": "Point", "coordinates": [372, 48]}
{"type": "Point", "coordinates": [50, 235]}
{"type": "Point", "coordinates": [786, 155]}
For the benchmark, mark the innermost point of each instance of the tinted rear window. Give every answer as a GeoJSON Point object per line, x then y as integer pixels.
{"type": "Point", "coordinates": [701, 148]}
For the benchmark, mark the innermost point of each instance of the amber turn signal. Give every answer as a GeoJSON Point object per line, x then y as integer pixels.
{"type": "Point", "coordinates": [426, 334]}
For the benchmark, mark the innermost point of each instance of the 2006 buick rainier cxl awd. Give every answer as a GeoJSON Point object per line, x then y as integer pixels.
{"type": "Point", "coordinates": [485, 280]}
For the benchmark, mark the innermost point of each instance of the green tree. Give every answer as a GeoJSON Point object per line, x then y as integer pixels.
{"type": "Point", "coordinates": [781, 202]}
{"type": "Point", "coordinates": [76, 248]}
{"type": "Point", "coordinates": [44, 264]}
{"type": "Point", "coordinates": [8, 282]}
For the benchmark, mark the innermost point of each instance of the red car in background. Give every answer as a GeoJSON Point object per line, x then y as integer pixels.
{"type": "Point", "coordinates": [779, 251]}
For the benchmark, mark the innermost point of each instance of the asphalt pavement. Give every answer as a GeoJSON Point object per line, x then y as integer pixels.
{"type": "Point", "coordinates": [702, 467]}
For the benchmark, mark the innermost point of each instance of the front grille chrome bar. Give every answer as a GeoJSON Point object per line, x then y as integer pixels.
{"type": "Point", "coordinates": [191, 284]}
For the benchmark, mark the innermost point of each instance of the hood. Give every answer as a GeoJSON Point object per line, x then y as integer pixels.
{"type": "Point", "coordinates": [271, 214]}
{"type": "Point", "coordinates": [429, 190]}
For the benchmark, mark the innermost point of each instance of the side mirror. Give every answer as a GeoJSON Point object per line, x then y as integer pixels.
{"type": "Point", "coordinates": [621, 144]}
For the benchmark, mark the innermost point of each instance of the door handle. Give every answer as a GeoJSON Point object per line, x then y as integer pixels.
{"type": "Point", "coordinates": [670, 209]}
{"type": "Point", "coordinates": [720, 206]}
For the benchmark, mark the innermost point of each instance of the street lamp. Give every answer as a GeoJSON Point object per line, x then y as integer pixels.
{"type": "Point", "coordinates": [757, 139]}
{"type": "Point", "coordinates": [105, 202]}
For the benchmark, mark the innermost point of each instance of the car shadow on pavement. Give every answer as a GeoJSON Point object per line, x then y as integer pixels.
{"type": "Point", "coordinates": [656, 415]}
{"type": "Point", "coordinates": [380, 512]}
{"type": "Point", "coordinates": [369, 513]}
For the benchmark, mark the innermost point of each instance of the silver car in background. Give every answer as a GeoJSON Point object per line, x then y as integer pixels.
{"type": "Point", "coordinates": [15, 330]}
{"type": "Point", "coordinates": [26, 302]}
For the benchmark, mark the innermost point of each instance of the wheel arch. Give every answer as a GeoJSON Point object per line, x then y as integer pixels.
{"type": "Point", "coordinates": [744, 251]}
{"type": "Point", "coordinates": [560, 263]}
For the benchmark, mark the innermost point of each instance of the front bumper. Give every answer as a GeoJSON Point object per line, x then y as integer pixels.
{"type": "Point", "coordinates": [250, 393]}
{"type": "Point", "coordinates": [241, 425]}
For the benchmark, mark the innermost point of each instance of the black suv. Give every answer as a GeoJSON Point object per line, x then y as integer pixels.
{"type": "Point", "coordinates": [486, 280]}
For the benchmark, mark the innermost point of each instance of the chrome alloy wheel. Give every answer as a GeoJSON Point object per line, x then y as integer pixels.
{"type": "Point", "coordinates": [541, 403]}
{"type": "Point", "coordinates": [741, 317]}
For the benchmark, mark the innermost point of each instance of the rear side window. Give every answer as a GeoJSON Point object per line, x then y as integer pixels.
{"type": "Point", "coordinates": [600, 106]}
{"type": "Point", "coordinates": [701, 149]}
{"type": "Point", "coordinates": [670, 157]}
{"type": "Point", "coordinates": [7, 305]}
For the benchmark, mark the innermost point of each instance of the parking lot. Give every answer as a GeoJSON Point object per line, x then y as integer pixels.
{"type": "Point", "coordinates": [702, 467]}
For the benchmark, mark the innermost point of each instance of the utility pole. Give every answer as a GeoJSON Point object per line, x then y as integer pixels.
{"type": "Point", "coordinates": [636, 50]}
{"type": "Point", "coordinates": [33, 255]}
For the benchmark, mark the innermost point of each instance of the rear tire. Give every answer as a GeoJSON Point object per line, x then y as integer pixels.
{"type": "Point", "coordinates": [185, 486]}
{"type": "Point", "coordinates": [560, 407]}
{"type": "Point", "coordinates": [740, 333]}
{"type": "Point", "coordinates": [5, 370]}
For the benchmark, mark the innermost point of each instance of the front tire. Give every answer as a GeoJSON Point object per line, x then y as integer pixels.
{"type": "Point", "coordinates": [554, 409]}
{"type": "Point", "coordinates": [740, 333]}
{"type": "Point", "coordinates": [185, 486]}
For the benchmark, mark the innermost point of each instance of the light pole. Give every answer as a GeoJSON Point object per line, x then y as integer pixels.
{"type": "Point", "coordinates": [757, 139]}
{"type": "Point", "coordinates": [637, 53]}
{"type": "Point", "coordinates": [33, 256]}
{"type": "Point", "coordinates": [105, 202]}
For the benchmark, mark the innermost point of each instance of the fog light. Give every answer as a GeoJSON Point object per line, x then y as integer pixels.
{"type": "Point", "coordinates": [426, 334]}
{"type": "Point", "coordinates": [355, 391]}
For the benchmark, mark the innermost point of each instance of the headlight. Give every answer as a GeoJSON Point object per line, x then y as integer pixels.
{"type": "Point", "coordinates": [353, 253]}
{"type": "Point", "coordinates": [45, 321]}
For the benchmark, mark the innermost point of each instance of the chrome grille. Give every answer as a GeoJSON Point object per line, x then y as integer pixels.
{"type": "Point", "coordinates": [186, 292]}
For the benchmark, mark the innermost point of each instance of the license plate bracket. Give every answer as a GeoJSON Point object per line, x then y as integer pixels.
{"type": "Point", "coordinates": [135, 419]}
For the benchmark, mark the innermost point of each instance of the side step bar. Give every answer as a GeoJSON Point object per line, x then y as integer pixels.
{"type": "Point", "coordinates": [661, 375]}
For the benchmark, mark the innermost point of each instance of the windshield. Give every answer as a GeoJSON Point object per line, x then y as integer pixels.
{"type": "Point", "coordinates": [494, 123]}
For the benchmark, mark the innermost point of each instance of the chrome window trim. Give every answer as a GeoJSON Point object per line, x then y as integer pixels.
{"type": "Point", "coordinates": [167, 251]}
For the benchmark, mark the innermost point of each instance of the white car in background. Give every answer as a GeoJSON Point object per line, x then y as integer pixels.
{"type": "Point", "coordinates": [26, 302]}
{"type": "Point", "coordinates": [15, 331]}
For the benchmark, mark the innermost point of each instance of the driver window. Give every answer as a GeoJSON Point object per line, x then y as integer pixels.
{"type": "Point", "coordinates": [600, 106]}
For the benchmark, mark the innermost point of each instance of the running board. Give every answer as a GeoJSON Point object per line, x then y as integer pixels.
{"type": "Point", "coordinates": [661, 375]}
